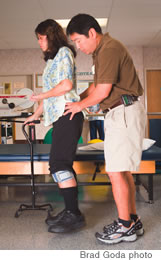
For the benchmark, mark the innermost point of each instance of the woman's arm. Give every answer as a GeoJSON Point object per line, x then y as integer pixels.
{"type": "Point", "coordinates": [36, 115]}
{"type": "Point", "coordinates": [60, 89]}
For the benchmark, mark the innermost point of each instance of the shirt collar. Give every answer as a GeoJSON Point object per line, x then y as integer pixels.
{"type": "Point", "coordinates": [104, 38]}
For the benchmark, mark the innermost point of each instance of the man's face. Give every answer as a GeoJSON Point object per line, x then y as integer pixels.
{"type": "Point", "coordinates": [84, 43]}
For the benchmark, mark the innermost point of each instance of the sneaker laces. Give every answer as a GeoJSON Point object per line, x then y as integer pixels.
{"type": "Point", "coordinates": [67, 216]}
{"type": "Point", "coordinates": [60, 214]}
{"type": "Point", "coordinates": [111, 228]}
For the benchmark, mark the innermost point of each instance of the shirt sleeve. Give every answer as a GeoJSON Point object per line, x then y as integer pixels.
{"type": "Point", "coordinates": [108, 66]}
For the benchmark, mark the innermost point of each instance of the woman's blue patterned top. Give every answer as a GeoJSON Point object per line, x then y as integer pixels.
{"type": "Point", "coordinates": [57, 69]}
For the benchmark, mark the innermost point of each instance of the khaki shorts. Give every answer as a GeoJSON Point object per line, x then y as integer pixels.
{"type": "Point", "coordinates": [124, 133]}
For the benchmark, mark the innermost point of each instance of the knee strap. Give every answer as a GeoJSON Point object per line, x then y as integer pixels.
{"type": "Point", "coordinates": [62, 176]}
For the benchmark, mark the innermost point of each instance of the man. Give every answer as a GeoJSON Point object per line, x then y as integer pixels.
{"type": "Point", "coordinates": [117, 88]}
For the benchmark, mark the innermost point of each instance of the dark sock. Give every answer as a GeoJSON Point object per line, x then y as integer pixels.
{"type": "Point", "coordinates": [133, 217]}
{"type": "Point", "coordinates": [70, 196]}
{"type": "Point", "coordinates": [125, 223]}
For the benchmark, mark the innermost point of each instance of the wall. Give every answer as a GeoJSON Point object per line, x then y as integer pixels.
{"type": "Point", "coordinates": [30, 61]}
{"type": "Point", "coordinates": [152, 58]}
{"type": "Point", "coordinates": [21, 62]}
{"type": "Point", "coordinates": [16, 80]}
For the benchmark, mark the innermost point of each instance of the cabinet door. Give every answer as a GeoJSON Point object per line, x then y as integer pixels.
{"type": "Point", "coordinates": [154, 93]}
{"type": "Point", "coordinates": [153, 78]}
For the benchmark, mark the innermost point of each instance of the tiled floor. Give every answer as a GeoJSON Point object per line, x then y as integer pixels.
{"type": "Point", "coordinates": [29, 230]}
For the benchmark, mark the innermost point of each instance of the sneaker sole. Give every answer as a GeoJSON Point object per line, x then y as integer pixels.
{"type": "Point", "coordinates": [51, 223]}
{"type": "Point", "coordinates": [121, 239]}
{"type": "Point", "coordinates": [140, 232]}
{"type": "Point", "coordinates": [59, 230]}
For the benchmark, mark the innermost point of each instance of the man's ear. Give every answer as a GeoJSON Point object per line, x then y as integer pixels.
{"type": "Point", "coordinates": [92, 33]}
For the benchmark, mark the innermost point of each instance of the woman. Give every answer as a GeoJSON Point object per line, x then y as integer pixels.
{"type": "Point", "coordinates": [59, 88]}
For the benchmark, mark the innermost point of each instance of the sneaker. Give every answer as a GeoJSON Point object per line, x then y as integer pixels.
{"type": "Point", "coordinates": [117, 233]}
{"type": "Point", "coordinates": [138, 227]}
{"type": "Point", "coordinates": [67, 223]}
{"type": "Point", "coordinates": [52, 220]}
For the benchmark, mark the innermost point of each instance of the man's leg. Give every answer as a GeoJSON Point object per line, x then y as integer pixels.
{"type": "Point", "coordinates": [124, 228]}
{"type": "Point", "coordinates": [121, 193]}
{"type": "Point", "coordinates": [123, 187]}
{"type": "Point", "coordinates": [132, 202]}
{"type": "Point", "coordinates": [128, 224]}
{"type": "Point", "coordinates": [123, 153]}
{"type": "Point", "coordinates": [132, 206]}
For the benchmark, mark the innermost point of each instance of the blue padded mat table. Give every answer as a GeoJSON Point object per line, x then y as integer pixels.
{"type": "Point", "coordinates": [13, 159]}
{"type": "Point", "coordinates": [21, 152]}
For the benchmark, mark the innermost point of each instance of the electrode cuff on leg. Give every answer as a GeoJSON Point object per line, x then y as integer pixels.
{"type": "Point", "coordinates": [62, 176]}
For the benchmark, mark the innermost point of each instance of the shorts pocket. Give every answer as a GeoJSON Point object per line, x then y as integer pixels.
{"type": "Point", "coordinates": [116, 118]}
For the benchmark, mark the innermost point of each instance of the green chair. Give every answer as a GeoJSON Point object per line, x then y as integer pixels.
{"type": "Point", "coordinates": [48, 137]}
{"type": "Point", "coordinates": [80, 141]}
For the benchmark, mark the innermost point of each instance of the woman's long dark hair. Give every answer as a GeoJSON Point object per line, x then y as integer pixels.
{"type": "Point", "coordinates": [56, 38]}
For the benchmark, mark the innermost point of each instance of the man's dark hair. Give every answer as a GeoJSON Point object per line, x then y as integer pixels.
{"type": "Point", "coordinates": [55, 36]}
{"type": "Point", "coordinates": [81, 24]}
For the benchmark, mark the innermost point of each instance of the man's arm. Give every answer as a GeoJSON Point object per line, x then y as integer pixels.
{"type": "Point", "coordinates": [87, 92]}
{"type": "Point", "coordinates": [100, 92]}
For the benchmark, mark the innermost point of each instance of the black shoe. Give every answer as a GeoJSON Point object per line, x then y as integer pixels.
{"type": "Point", "coordinates": [67, 223]}
{"type": "Point", "coordinates": [52, 220]}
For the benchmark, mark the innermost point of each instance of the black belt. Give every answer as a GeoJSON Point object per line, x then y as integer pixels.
{"type": "Point", "coordinates": [120, 102]}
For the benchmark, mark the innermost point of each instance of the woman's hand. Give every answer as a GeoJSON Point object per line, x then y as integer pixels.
{"type": "Point", "coordinates": [37, 97]}
{"type": "Point", "coordinates": [36, 115]}
{"type": "Point", "coordinates": [30, 119]}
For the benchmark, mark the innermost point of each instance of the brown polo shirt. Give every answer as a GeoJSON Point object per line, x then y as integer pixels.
{"type": "Point", "coordinates": [114, 65]}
